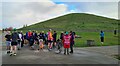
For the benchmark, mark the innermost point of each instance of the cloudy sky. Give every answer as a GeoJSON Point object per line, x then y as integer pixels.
{"type": "Point", "coordinates": [16, 14]}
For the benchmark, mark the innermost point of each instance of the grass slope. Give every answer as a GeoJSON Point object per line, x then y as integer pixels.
{"type": "Point", "coordinates": [76, 21]}
{"type": "Point", "coordinates": [79, 22]}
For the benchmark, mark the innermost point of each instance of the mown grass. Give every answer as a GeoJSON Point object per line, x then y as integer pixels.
{"type": "Point", "coordinates": [110, 39]}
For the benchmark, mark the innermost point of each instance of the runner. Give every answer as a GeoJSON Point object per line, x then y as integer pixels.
{"type": "Point", "coordinates": [14, 42]}
{"type": "Point", "coordinates": [66, 43]}
{"type": "Point", "coordinates": [8, 41]}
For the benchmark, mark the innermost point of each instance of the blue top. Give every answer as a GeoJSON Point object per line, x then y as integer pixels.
{"type": "Point", "coordinates": [102, 34]}
{"type": "Point", "coordinates": [26, 35]}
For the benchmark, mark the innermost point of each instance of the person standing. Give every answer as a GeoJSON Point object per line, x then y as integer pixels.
{"type": "Point", "coordinates": [61, 37]}
{"type": "Point", "coordinates": [102, 37]}
{"type": "Point", "coordinates": [115, 32]}
{"type": "Point", "coordinates": [50, 39]}
{"type": "Point", "coordinates": [35, 37]}
{"type": "Point", "coordinates": [31, 41]}
{"type": "Point", "coordinates": [72, 41]}
{"type": "Point", "coordinates": [54, 39]}
{"type": "Point", "coordinates": [19, 41]}
{"type": "Point", "coordinates": [14, 43]}
{"type": "Point", "coordinates": [44, 37]}
{"type": "Point", "coordinates": [22, 39]}
{"type": "Point", "coordinates": [66, 43]}
{"type": "Point", "coordinates": [29, 34]}
{"type": "Point", "coordinates": [8, 41]}
{"type": "Point", "coordinates": [41, 36]}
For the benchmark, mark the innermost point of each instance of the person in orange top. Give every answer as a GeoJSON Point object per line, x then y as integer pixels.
{"type": "Point", "coordinates": [50, 39]}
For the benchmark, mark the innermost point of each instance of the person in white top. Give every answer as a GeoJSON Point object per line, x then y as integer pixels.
{"type": "Point", "coordinates": [19, 40]}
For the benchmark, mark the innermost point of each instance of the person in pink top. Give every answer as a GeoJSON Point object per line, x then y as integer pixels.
{"type": "Point", "coordinates": [66, 43]}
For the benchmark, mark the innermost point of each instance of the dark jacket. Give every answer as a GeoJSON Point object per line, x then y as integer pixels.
{"type": "Point", "coordinates": [8, 37]}
{"type": "Point", "coordinates": [15, 37]}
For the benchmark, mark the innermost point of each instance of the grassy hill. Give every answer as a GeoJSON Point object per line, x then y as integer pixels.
{"type": "Point", "coordinates": [76, 21]}
{"type": "Point", "coordinates": [87, 26]}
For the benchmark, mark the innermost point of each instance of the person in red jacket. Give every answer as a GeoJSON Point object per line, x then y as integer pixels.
{"type": "Point", "coordinates": [66, 43]}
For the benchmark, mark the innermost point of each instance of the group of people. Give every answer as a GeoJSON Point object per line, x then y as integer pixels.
{"type": "Point", "coordinates": [16, 40]}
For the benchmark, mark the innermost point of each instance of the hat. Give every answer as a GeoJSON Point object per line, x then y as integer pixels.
{"type": "Point", "coordinates": [66, 33]}
{"type": "Point", "coordinates": [14, 29]}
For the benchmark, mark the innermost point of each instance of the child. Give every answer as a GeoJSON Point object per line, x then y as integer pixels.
{"type": "Point", "coordinates": [66, 43]}
{"type": "Point", "coordinates": [41, 40]}
{"type": "Point", "coordinates": [59, 45]}
{"type": "Point", "coordinates": [41, 44]}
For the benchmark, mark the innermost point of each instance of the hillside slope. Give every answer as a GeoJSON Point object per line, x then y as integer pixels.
{"type": "Point", "coordinates": [76, 21]}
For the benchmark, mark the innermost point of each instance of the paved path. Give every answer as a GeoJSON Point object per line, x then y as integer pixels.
{"type": "Point", "coordinates": [80, 56]}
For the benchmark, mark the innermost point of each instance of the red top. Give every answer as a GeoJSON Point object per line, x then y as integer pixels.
{"type": "Point", "coordinates": [67, 41]}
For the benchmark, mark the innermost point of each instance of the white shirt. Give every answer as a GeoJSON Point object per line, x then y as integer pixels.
{"type": "Point", "coordinates": [20, 36]}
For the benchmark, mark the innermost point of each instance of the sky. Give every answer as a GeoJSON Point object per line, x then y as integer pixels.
{"type": "Point", "coordinates": [18, 13]}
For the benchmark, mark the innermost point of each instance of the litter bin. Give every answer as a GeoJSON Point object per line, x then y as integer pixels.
{"type": "Point", "coordinates": [90, 42]}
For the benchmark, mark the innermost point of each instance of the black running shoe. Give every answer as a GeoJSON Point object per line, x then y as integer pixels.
{"type": "Point", "coordinates": [11, 54]}
{"type": "Point", "coordinates": [8, 52]}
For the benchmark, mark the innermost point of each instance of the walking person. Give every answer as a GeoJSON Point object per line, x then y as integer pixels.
{"type": "Point", "coordinates": [8, 41]}
{"type": "Point", "coordinates": [14, 43]}
{"type": "Point", "coordinates": [66, 43]}
{"type": "Point", "coordinates": [102, 37]}
{"type": "Point", "coordinates": [72, 41]}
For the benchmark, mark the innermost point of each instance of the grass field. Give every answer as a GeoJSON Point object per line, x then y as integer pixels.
{"type": "Point", "coordinates": [110, 39]}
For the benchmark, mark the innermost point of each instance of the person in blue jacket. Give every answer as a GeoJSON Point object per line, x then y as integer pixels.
{"type": "Point", "coordinates": [102, 37]}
